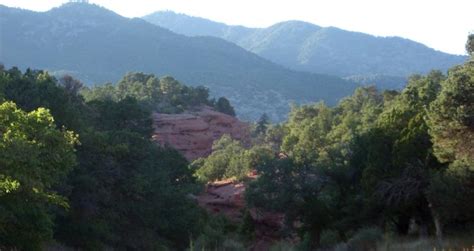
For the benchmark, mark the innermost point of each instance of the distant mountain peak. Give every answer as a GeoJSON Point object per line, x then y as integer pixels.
{"type": "Point", "coordinates": [304, 46]}
{"type": "Point", "coordinates": [83, 8]}
{"type": "Point", "coordinates": [296, 23]}
{"type": "Point", "coordinates": [97, 46]}
{"type": "Point", "coordinates": [84, 12]}
{"type": "Point", "coordinates": [78, 5]}
{"type": "Point", "coordinates": [169, 13]}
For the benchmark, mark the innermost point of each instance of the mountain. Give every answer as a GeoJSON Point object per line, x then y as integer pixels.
{"type": "Point", "coordinates": [97, 45]}
{"type": "Point", "coordinates": [307, 47]}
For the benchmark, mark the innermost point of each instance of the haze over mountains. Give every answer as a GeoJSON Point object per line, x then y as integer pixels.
{"type": "Point", "coordinates": [97, 46]}
{"type": "Point", "coordinates": [329, 50]}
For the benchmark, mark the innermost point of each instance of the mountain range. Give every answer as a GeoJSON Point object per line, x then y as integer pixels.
{"type": "Point", "coordinates": [258, 69]}
{"type": "Point", "coordinates": [307, 47]}
{"type": "Point", "coordinates": [97, 45]}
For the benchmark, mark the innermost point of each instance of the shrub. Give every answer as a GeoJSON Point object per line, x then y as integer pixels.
{"type": "Point", "coordinates": [365, 239]}
{"type": "Point", "coordinates": [329, 238]}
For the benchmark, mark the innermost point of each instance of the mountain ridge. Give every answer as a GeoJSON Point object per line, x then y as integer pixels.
{"type": "Point", "coordinates": [97, 46]}
{"type": "Point", "coordinates": [308, 47]}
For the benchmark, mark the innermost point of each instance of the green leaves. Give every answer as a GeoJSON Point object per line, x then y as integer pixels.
{"type": "Point", "coordinates": [229, 159]}
{"type": "Point", "coordinates": [34, 157]}
{"type": "Point", "coordinates": [223, 105]}
{"type": "Point", "coordinates": [116, 189]}
{"type": "Point", "coordinates": [451, 117]}
{"type": "Point", "coordinates": [470, 44]}
{"type": "Point", "coordinates": [226, 161]}
{"type": "Point", "coordinates": [376, 152]}
{"type": "Point", "coordinates": [7, 184]}
{"type": "Point", "coordinates": [165, 94]}
{"type": "Point", "coordinates": [32, 149]}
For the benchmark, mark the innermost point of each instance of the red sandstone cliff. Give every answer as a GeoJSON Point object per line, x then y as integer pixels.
{"type": "Point", "coordinates": [192, 133]}
{"type": "Point", "coordinates": [226, 197]}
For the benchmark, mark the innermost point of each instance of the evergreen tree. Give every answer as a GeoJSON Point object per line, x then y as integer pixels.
{"type": "Point", "coordinates": [262, 124]}
{"type": "Point", "coordinates": [223, 105]}
{"type": "Point", "coordinates": [470, 44]}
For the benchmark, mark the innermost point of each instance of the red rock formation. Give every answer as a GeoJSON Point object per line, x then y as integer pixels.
{"type": "Point", "coordinates": [226, 197]}
{"type": "Point", "coordinates": [192, 133]}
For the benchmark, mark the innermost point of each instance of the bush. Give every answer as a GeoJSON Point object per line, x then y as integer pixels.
{"type": "Point", "coordinates": [229, 159]}
{"type": "Point", "coordinates": [365, 239]}
{"type": "Point", "coordinates": [216, 231]}
{"type": "Point", "coordinates": [247, 228]}
{"type": "Point", "coordinates": [340, 247]}
{"type": "Point", "coordinates": [283, 246]}
{"type": "Point", "coordinates": [329, 238]}
{"type": "Point", "coordinates": [232, 245]}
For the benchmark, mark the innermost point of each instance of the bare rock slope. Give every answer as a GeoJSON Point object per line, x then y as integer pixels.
{"type": "Point", "coordinates": [192, 133]}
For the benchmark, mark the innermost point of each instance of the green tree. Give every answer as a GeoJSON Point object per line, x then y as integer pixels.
{"type": "Point", "coordinates": [274, 136]}
{"type": "Point", "coordinates": [34, 157]}
{"type": "Point", "coordinates": [399, 173]}
{"type": "Point", "coordinates": [470, 44]}
{"type": "Point", "coordinates": [293, 189]}
{"type": "Point", "coordinates": [226, 154]}
{"type": "Point", "coordinates": [223, 105]}
{"type": "Point", "coordinates": [125, 192]}
{"type": "Point", "coordinates": [229, 159]}
{"type": "Point", "coordinates": [451, 118]}
{"type": "Point", "coordinates": [34, 89]}
{"type": "Point", "coordinates": [262, 124]}
{"type": "Point", "coordinates": [166, 94]}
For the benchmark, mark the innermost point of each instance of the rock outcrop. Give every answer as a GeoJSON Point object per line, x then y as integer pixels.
{"type": "Point", "coordinates": [226, 197]}
{"type": "Point", "coordinates": [192, 133]}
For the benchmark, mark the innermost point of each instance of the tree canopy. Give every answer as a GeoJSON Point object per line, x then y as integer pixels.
{"type": "Point", "coordinates": [407, 154]}
{"type": "Point", "coordinates": [116, 188]}
{"type": "Point", "coordinates": [35, 156]}
{"type": "Point", "coordinates": [165, 94]}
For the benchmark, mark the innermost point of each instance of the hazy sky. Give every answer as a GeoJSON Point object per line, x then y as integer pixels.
{"type": "Point", "coordinates": [440, 24]}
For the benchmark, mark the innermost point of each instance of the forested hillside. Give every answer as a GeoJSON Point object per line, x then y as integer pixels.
{"type": "Point", "coordinates": [80, 168]}
{"type": "Point", "coordinates": [328, 50]}
{"type": "Point", "coordinates": [78, 164]}
{"type": "Point", "coordinates": [369, 174]}
{"type": "Point", "coordinates": [96, 45]}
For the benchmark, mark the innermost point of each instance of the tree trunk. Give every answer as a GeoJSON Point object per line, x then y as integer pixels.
{"type": "Point", "coordinates": [315, 238]}
{"type": "Point", "coordinates": [425, 216]}
{"type": "Point", "coordinates": [423, 229]}
{"type": "Point", "coordinates": [438, 226]}
{"type": "Point", "coordinates": [402, 225]}
{"type": "Point", "coordinates": [437, 223]}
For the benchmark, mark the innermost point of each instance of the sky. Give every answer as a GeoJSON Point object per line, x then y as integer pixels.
{"type": "Point", "coordinates": [440, 24]}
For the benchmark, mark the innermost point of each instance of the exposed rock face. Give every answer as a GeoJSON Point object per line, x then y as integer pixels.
{"type": "Point", "coordinates": [192, 133]}
{"type": "Point", "coordinates": [226, 197]}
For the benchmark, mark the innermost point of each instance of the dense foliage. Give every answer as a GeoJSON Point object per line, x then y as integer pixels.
{"type": "Point", "coordinates": [402, 160]}
{"type": "Point", "coordinates": [78, 166]}
{"type": "Point", "coordinates": [229, 159]}
{"type": "Point", "coordinates": [398, 159]}
{"type": "Point", "coordinates": [112, 188]}
{"type": "Point", "coordinates": [451, 118]}
{"type": "Point", "coordinates": [165, 95]}
{"type": "Point", "coordinates": [34, 157]}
